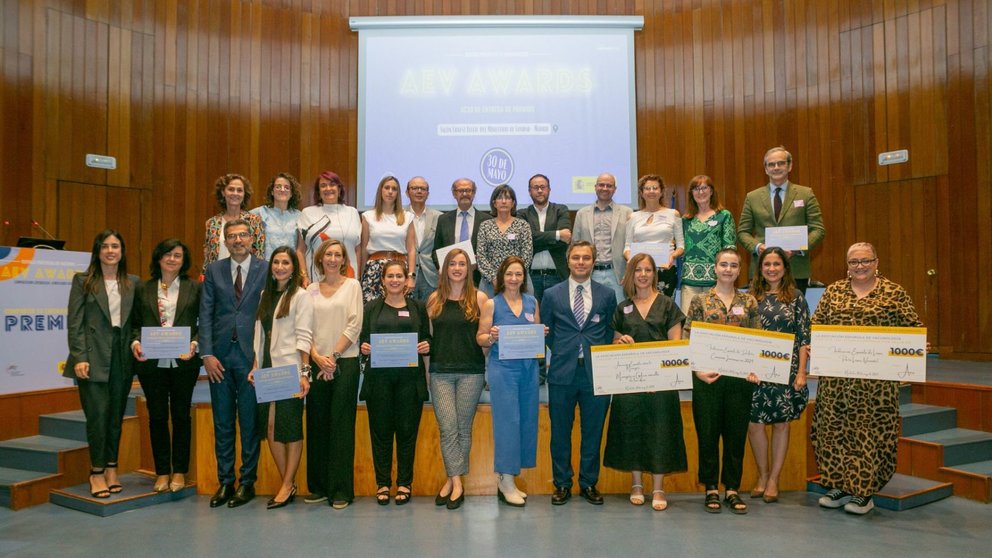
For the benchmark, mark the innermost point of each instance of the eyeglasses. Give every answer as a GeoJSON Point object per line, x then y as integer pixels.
{"type": "Point", "coordinates": [702, 188]}
{"type": "Point", "coordinates": [773, 164]}
{"type": "Point", "coordinates": [237, 235]}
{"type": "Point", "coordinates": [863, 262]}
{"type": "Point", "coordinates": [464, 191]}
{"type": "Point", "coordinates": [539, 187]}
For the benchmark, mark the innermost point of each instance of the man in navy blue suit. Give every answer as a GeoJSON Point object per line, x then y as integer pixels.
{"type": "Point", "coordinates": [229, 301]}
{"type": "Point", "coordinates": [578, 313]}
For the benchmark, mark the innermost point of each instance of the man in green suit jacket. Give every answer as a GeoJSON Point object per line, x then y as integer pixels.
{"type": "Point", "coordinates": [796, 206]}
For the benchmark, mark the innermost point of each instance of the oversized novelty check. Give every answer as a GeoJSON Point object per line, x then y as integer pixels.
{"type": "Point", "coordinates": [872, 353]}
{"type": "Point", "coordinates": [655, 366]}
{"type": "Point", "coordinates": [738, 351]}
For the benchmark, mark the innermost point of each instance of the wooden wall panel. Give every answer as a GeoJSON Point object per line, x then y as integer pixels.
{"type": "Point", "coordinates": [182, 91]}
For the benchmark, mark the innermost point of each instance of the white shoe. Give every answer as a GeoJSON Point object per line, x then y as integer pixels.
{"type": "Point", "coordinates": [507, 492]}
{"type": "Point", "coordinates": [834, 499]}
{"type": "Point", "coordinates": [859, 505]}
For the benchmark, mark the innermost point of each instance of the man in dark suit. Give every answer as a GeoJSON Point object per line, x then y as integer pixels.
{"type": "Point", "coordinates": [780, 203]}
{"type": "Point", "coordinates": [228, 304]}
{"type": "Point", "coordinates": [551, 229]}
{"type": "Point", "coordinates": [462, 223]}
{"type": "Point", "coordinates": [578, 313]}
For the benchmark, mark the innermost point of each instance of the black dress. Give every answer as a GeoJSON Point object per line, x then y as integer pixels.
{"type": "Point", "coordinates": [288, 424]}
{"type": "Point", "coordinates": [645, 431]}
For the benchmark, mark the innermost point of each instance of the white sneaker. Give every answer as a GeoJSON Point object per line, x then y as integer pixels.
{"type": "Point", "coordinates": [859, 505]}
{"type": "Point", "coordinates": [834, 498]}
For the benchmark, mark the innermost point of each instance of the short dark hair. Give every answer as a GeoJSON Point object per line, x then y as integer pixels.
{"type": "Point", "coordinates": [581, 244]}
{"type": "Point", "coordinates": [236, 223]}
{"type": "Point", "coordinates": [500, 191]}
{"type": "Point", "coordinates": [163, 248]}
{"type": "Point", "coordinates": [539, 175]}
{"type": "Point", "coordinates": [294, 191]}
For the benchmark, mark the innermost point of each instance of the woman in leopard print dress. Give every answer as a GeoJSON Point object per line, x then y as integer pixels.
{"type": "Point", "coordinates": [856, 421]}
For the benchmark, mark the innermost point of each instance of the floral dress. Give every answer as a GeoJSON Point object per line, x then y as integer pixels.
{"type": "Point", "coordinates": [770, 402]}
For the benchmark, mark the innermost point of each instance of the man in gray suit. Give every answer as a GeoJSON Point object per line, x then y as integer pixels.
{"type": "Point", "coordinates": [604, 224]}
{"type": "Point", "coordinates": [424, 223]}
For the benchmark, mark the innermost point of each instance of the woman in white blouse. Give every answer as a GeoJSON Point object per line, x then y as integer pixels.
{"type": "Point", "coordinates": [387, 235]}
{"type": "Point", "coordinates": [328, 218]}
{"type": "Point", "coordinates": [283, 335]}
{"type": "Point", "coordinates": [657, 224]}
{"type": "Point", "coordinates": [333, 398]}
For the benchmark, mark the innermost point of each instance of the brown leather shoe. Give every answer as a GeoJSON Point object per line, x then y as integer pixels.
{"type": "Point", "coordinates": [561, 496]}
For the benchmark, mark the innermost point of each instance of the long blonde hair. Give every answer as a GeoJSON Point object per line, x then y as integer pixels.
{"type": "Point", "coordinates": [380, 207]}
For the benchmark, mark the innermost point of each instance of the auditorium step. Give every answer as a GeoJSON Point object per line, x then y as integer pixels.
{"type": "Point", "coordinates": [902, 492]}
{"type": "Point", "coordinates": [933, 447]}
{"type": "Point", "coordinates": [58, 456]}
{"type": "Point", "coordinates": [137, 493]}
{"type": "Point", "coordinates": [20, 488]}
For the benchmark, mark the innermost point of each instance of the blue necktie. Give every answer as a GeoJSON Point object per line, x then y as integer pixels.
{"type": "Point", "coordinates": [463, 235]}
{"type": "Point", "coordinates": [579, 307]}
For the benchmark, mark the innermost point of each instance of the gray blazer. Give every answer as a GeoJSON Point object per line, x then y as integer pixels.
{"type": "Point", "coordinates": [584, 231]}
{"type": "Point", "coordinates": [91, 332]}
{"type": "Point", "coordinates": [425, 248]}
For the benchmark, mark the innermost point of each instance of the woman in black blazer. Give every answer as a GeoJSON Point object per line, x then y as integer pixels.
{"type": "Point", "coordinates": [168, 299]}
{"type": "Point", "coordinates": [394, 396]}
{"type": "Point", "coordinates": [99, 323]}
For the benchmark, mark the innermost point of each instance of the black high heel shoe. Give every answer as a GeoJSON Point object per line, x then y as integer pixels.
{"type": "Point", "coordinates": [105, 493]}
{"type": "Point", "coordinates": [273, 504]}
{"type": "Point", "coordinates": [114, 488]}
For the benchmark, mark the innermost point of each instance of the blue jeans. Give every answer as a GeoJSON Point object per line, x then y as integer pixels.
{"type": "Point", "coordinates": [542, 282]}
{"type": "Point", "coordinates": [607, 278]}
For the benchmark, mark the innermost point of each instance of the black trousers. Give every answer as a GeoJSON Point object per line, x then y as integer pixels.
{"type": "Point", "coordinates": [394, 415]}
{"type": "Point", "coordinates": [331, 408]}
{"type": "Point", "coordinates": [721, 410]}
{"type": "Point", "coordinates": [169, 391]}
{"type": "Point", "coordinates": [103, 404]}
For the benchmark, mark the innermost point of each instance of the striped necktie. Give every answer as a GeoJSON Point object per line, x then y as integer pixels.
{"type": "Point", "coordinates": [579, 307]}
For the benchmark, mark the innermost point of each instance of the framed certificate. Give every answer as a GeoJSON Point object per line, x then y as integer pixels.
{"type": "Point", "coordinates": [394, 350]}
{"type": "Point", "coordinates": [521, 341]}
{"type": "Point", "coordinates": [164, 342]}
{"type": "Point", "coordinates": [871, 353]}
{"type": "Point", "coordinates": [641, 367]}
{"type": "Point", "coordinates": [660, 251]}
{"type": "Point", "coordinates": [277, 384]}
{"type": "Point", "coordinates": [738, 351]}
{"type": "Point", "coordinates": [788, 238]}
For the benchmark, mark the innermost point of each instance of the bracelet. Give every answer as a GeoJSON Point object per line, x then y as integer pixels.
{"type": "Point", "coordinates": [490, 339]}
{"type": "Point", "coordinates": [305, 371]}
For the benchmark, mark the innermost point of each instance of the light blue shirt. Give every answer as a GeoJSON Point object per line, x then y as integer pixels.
{"type": "Point", "coordinates": [279, 226]}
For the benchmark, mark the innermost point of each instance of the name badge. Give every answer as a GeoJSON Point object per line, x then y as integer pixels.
{"type": "Point", "coordinates": [628, 309]}
{"type": "Point", "coordinates": [737, 311]}
{"type": "Point", "coordinates": [403, 313]}
{"type": "Point", "coordinates": [511, 236]}
{"type": "Point", "coordinates": [595, 318]}
{"type": "Point", "coordinates": [798, 203]}
{"type": "Point", "coordinates": [711, 223]}
{"type": "Point", "coordinates": [529, 317]}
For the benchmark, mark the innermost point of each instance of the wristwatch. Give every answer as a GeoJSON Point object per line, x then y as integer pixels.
{"type": "Point", "coordinates": [336, 355]}
{"type": "Point", "coordinates": [412, 274]}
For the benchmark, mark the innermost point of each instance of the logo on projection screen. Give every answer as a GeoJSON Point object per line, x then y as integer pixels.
{"type": "Point", "coordinates": [496, 166]}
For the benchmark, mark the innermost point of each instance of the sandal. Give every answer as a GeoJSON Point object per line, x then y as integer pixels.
{"type": "Point", "coordinates": [116, 487]}
{"type": "Point", "coordinates": [402, 496]}
{"type": "Point", "coordinates": [712, 502]}
{"type": "Point", "coordinates": [105, 493]}
{"type": "Point", "coordinates": [658, 500]}
{"type": "Point", "coordinates": [637, 499]}
{"type": "Point", "coordinates": [382, 496]}
{"type": "Point", "coordinates": [735, 504]}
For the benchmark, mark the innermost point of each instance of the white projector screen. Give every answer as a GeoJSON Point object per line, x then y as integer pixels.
{"type": "Point", "coordinates": [497, 100]}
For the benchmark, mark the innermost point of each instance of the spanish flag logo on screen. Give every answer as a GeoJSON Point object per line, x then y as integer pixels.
{"type": "Point", "coordinates": [14, 262]}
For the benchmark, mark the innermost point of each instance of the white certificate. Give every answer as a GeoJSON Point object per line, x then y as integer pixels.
{"type": "Point", "coordinates": [872, 353]}
{"type": "Point", "coordinates": [464, 245]}
{"type": "Point", "coordinates": [641, 367]}
{"type": "Point", "coordinates": [738, 351]}
{"type": "Point", "coordinates": [788, 238]}
{"type": "Point", "coordinates": [660, 251]}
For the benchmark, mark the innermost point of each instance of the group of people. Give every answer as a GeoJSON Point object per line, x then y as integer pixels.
{"type": "Point", "coordinates": [309, 288]}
